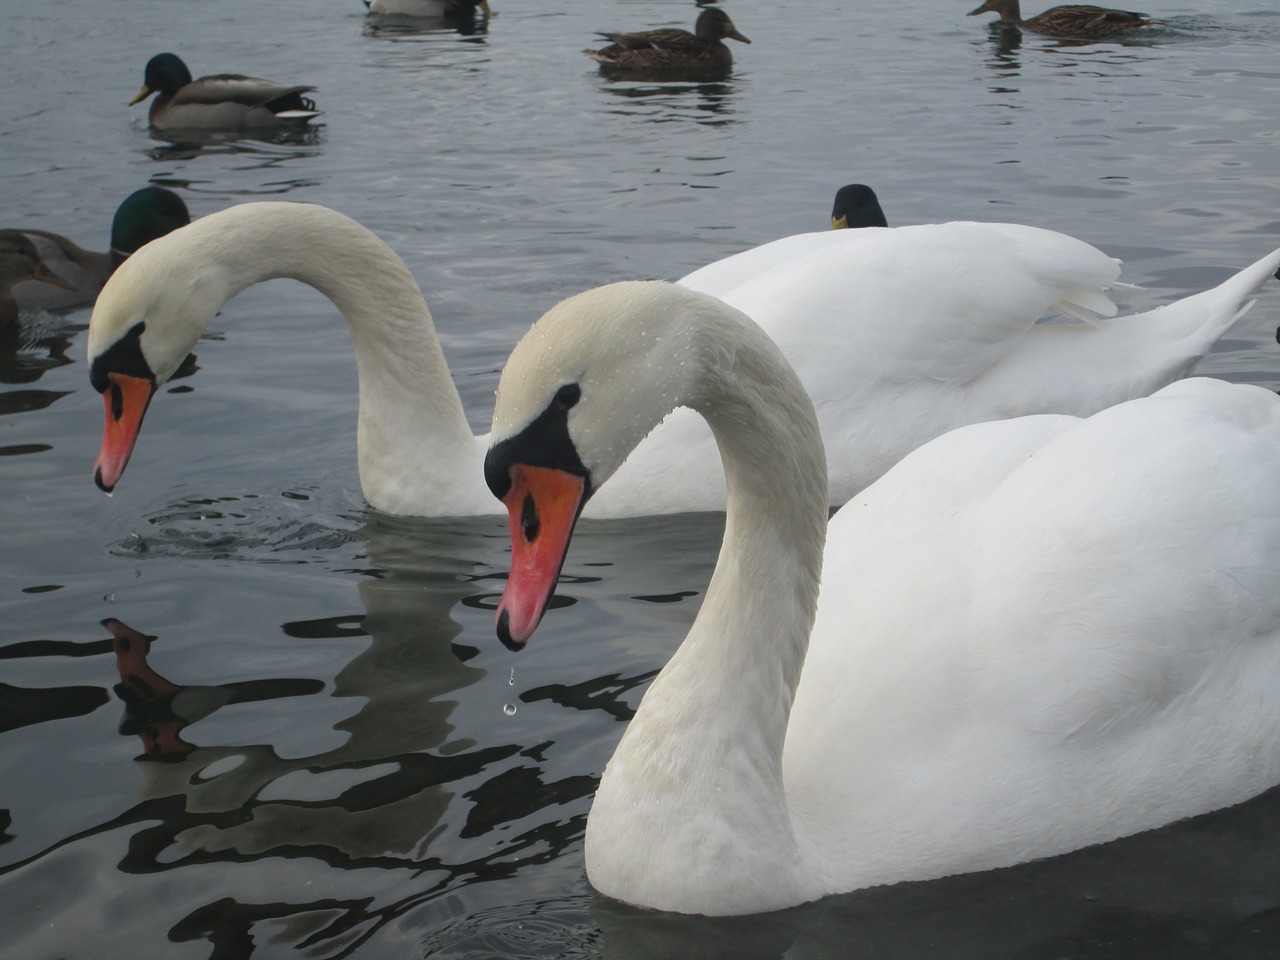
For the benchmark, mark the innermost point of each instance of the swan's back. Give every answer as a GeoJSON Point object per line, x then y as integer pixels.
{"type": "Point", "coordinates": [888, 329]}
{"type": "Point", "coordinates": [945, 300]}
{"type": "Point", "coordinates": [1076, 637]}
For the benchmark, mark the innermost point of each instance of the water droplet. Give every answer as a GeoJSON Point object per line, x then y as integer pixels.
{"type": "Point", "coordinates": [109, 598]}
{"type": "Point", "coordinates": [509, 709]}
{"type": "Point", "coordinates": [511, 680]}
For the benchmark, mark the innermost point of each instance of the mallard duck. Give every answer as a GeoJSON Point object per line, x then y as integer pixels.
{"type": "Point", "coordinates": [438, 9]}
{"type": "Point", "coordinates": [668, 49]}
{"type": "Point", "coordinates": [1080, 21]}
{"type": "Point", "coordinates": [223, 101]}
{"type": "Point", "coordinates": [1029, 637]}
{"type": "Point", "coordinates": [144, 215]}
{"type": "Point", "coordinates": [19, 261]}
{"type": "Point", "coordinates": [900, 334]}
{"type": "Point", "coordinates": [857, 206]}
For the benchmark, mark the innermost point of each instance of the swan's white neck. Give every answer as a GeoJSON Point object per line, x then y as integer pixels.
{"type": "Point", "coordinates": [417, 454]}
{"type": "Point", "coordinates": [695, 788]}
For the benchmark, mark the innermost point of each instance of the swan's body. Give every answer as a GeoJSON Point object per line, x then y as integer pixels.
{"type": "Point", "coordinates": [143, 215]}
{"type": "Point", "coordinates": [222, 101]}
{"type": "Point", "coordinates": [943, 354]}
{"type": "Point", "coordinates": [900, 335]}
{"type": "Point", "coordinates": [1032, 635]}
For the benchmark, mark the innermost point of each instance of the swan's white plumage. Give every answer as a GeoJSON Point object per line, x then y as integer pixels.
{"type": "Point", "coordinates": [898, 334]}
{"type": "Point", "coordinates": [416, 452]}
{"type": "Point", "coordinates": [902, 334]}
{"type": "Point", "coordinates": [1044, 633]}
{"type": "Point", "coordinates": [1032, 635]}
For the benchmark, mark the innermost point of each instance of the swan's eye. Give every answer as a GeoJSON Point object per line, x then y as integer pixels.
{"type": "Point", "coordinates": [568, 396]}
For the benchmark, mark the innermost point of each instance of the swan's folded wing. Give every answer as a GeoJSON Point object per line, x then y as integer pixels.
{"type": "Point", "coordinates": [1030, 620]}
{"type": "Point", "coordinates": [941, 301]}
{"type": "Point", "coordinates": [1134, 558]}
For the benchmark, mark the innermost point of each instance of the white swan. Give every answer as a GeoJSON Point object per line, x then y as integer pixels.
{"type": "Point", "coordinates": [417, 454]}
{"type": "Point", "coordinates": [902, 334]}
{"type": "Point", "coordinates": [899, 335]}
{"type": "Point", "coordinates": [1032, 635]}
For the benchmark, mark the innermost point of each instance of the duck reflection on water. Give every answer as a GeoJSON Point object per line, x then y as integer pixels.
{"type": "Point", "coordinates": [408, 793]}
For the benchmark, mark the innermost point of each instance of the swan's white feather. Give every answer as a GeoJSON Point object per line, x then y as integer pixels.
{"type": "Point", "coordinates": [902, 334]}
{"type": "Point", "coordinates": [1032, 635]}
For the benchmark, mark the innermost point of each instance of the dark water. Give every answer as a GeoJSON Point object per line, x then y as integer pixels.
{"type": "Point", "coordinates": [343, 760]}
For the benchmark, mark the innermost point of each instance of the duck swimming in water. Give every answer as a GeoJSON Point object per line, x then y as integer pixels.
{"type": "Point", "coordinates": [438, 9]}
{"type": "Point", "coordinates": [857, 205]}
{"type": "Point", "coordinates": [19, 261]}
{"type": "Point", "coordinates": [1079, 21]}
{"type": "Point", "coordinates": [222, 101]}
{"type": "Point", "coordinates": [672, 50]}
{"type": "Point", "coordinates": [143, 215]}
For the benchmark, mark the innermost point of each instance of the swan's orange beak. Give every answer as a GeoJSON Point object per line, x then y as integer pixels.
{"type": "Point", "coordinates": [543, 505]}
{"type": "Point", "coordinates": [126, 399]}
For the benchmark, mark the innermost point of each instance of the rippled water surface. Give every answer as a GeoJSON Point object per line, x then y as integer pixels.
{"type": "Point", "coordinates": [343, 760]}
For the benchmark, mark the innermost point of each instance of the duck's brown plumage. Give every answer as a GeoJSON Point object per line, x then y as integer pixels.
{"type": "Point", "coordinates": [671, 49]}
{"type": "Point", "coordinates": [1080, 21]}
{"type": "Point", "coordinates": [19, 261]}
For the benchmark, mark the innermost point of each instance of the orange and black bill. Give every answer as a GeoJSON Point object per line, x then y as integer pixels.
{"type": "Point", "coordinates": [126, 400]}
{"type": "Point", "coordinates": [543, 504]}
{"type": "Point", "coordinates": [541, 479]}
{"type": "Point", "coordinates": [124, 378]}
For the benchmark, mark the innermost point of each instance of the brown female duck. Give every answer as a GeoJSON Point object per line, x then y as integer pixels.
{"type": "Point", "coordinates": [1078, 21]}
{"type": "Point", "coordinates": [674, 50]}
{"type": "Point", "coordinates": [143, 215]}
{"type": "Point", "coordinates": [19, 261]}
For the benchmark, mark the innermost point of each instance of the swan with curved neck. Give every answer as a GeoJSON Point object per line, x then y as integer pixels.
{"type": "Point", "coordinates": [412, 434]}
{"type": "Point", "coordinates": [898, 335]}
{"type": "Point", "coordinates": [1032, 635]}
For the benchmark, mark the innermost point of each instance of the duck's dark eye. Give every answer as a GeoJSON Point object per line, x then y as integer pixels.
{"type": "Point", "coordinates": [568, 396]}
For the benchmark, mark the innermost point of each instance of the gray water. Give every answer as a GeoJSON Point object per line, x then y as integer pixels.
{"type": "Point", "coordinates": [355, 767]}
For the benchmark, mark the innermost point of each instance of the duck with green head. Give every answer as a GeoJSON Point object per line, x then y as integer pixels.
{"type": "Point", "coordinates": [143, 215]}
{"type": "Point", "coordinates": [222, 101]}
{"type": "Point", "coordinates": [857, 205]}
{"type": "Point", "coordinates": [1074, 21]}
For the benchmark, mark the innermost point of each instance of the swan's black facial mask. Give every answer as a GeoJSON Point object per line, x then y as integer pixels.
{"type": "Point", "coordinates": [543, 443]}
{"type": "Point", "coordinates": [123, 356]}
